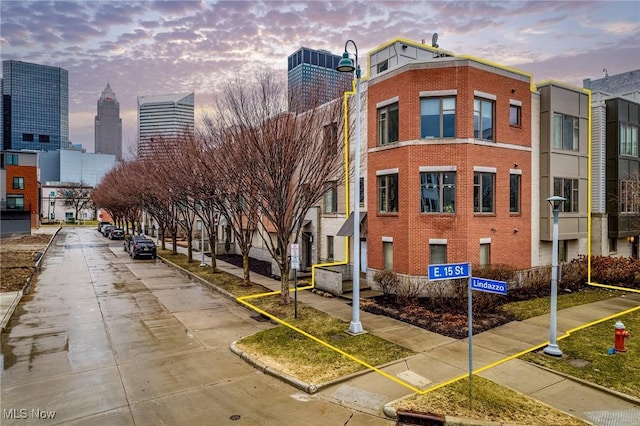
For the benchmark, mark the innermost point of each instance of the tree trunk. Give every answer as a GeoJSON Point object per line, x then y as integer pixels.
{"type": "Point", "coordinates": [245, 267]}
{"type": "Point", "coordinates": [212, 247]}
{"type": "Point", "coordinates": [190, 247]}
{"type": "Point", "coordinates": [284, 284]}
{"type": "Point", "coordinates": [174, 241]}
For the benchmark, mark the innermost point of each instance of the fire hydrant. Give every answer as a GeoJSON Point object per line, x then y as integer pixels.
{"type": "Point", "coordinates": [620, 334]}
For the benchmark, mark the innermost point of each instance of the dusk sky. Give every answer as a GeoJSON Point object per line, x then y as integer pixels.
{"type": "Point", "coordinates": [157, 47]}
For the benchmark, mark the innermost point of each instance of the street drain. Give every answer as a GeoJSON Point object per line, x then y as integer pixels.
{"type": "Point", "coordinates": [260, 318]}
{"type": "Point", "coordinates": [235, 417]}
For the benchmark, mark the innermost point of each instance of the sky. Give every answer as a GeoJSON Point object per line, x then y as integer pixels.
{"type": "Point", "coordinates": [159, 47]}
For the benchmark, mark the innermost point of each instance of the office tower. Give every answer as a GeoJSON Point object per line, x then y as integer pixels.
{"type": "Point", "coordinates": [35, 106]}
{"type": "Point", "coordinates": [108, 125]}
{"type": "Point", "coordinates": [165, 116]}
{"type": "Point", "coordinates": [313, 79]}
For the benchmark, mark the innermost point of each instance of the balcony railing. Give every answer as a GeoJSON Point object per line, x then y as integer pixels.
{"type": "Point", "coordinates": [4, 206]}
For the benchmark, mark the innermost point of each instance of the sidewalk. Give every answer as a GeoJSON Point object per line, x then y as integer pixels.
{"type": "Point", "coordinates": [439, 359]}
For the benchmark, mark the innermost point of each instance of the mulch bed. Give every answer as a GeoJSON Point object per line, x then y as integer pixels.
{"type": "Point", "coordinates": [258, 266]}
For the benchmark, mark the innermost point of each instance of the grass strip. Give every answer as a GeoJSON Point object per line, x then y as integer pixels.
{"type": "Point", "coordinates": [490, 402]}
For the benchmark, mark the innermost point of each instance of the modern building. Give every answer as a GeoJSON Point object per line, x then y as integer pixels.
{"type": "Point", "coordinates": [313, 79]}
{"type": "Point", "coordinates": [615, 163]}
{"type": "Point", "coordinates": [72, 166]}
{"type": "Point", "coordinates": [108, 125]}
{"type": "Point", "coordinates": [35, 106]}
{"type": "Point", "coordinates": [163, 116]}
{"type": "Point", "coordinates": [19, 190]}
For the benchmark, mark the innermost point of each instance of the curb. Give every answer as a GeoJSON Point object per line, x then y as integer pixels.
{"type": "Point", "coordinates": [299, 384]}
{"type": "Point", "coordinates": [12, 308]}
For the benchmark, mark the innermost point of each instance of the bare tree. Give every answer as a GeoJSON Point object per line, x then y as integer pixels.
{"type": "Point", "coordinates": [75, 195]}
{"type": "Point", "coordinates": [286, 164]}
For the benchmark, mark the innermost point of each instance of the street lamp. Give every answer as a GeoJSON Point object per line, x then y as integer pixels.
{"type": "Point", "coordinates": [347, 65]}
{"type": "Point", "coordinates": [552, 348]}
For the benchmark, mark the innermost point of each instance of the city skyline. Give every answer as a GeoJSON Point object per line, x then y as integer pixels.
{"type": "Point", "coordinates": [184, 46]}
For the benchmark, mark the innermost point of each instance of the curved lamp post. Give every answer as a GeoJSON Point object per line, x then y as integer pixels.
{"type": "Point", "coordinates": [346, 64]}
{"type": "Point", "coordinates": [553, 349]}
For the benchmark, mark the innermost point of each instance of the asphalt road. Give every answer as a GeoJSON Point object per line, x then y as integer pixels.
{"type": "Point", "coordinates": [106, 340]}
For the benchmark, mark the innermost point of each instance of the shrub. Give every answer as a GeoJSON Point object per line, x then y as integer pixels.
{"type": "Point", "coordinates": [622, 271]}
{"type": "Point", "coordinates": [387, 281]}
{"type": "Point", "coordinates": [406, 291]}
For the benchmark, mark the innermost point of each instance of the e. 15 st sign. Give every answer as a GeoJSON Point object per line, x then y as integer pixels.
{"type": "Point", "coordinates": [449, 271]}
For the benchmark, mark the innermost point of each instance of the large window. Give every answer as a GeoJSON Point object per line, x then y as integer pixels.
{"type": "Point", "coordinates": [388, 193]}
{"type": "Point", "coordinates": [567, 188]}
{"type": "Point", "coordinates": [15, 202]}
{"type": "Point", "coordinates": [483, 192]}
{"type": "Point", "coordinates": [628, 139]}
{"type": "Point", "coordinates": [483, 123]}
{"type": "Point", "coordinates": [566, 132]}
{"type": "Point", "coordinates": [629, 197]}
{"type": "Point", "coordinates": [18, 183]}
{"type": "Point", "coordinates": [437, 254]}
{"type": "Point", "coordinates": [438, 192]}
{"type": "Point", "coordinates": [438, 117]}
{"type": "Point", "coordinates": [388, 124]}
{"type": "Point", "coordinates": [514, 193]}
{"type": "Point", "coordinates": [387, 255]}
{"type": "Point", "coordinates": [11, 159]}
{"type": "Point", "coordinates": [331, 198]}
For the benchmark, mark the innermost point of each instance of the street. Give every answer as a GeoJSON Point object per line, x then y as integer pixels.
{"type": "Point", "coordinates": [103, 339]}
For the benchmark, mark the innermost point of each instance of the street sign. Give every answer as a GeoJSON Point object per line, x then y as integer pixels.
{"type": "Point", "coordinates": [295, 256]}
{"type": "Point", "coordinates": [488, 286]}
{"type": "Point", "coordinates": [449, 271]}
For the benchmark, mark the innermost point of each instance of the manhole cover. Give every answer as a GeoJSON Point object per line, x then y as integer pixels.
{"type": "Point", "coordinates": [579, 363]}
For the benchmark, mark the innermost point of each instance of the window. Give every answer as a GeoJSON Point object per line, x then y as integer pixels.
{"type": "Point", "coordinates": [27, 137]}
{"type": "Point", "coordinates": [43, 138]}
{"type": "Point", "coordinates": [438, 192]}
{"type": "Point", "coordinates": [388, 193]}
{"type": "Point", "coordinates": [438, 117]}
{"type": "Point", "coordinates": [18, 183]}
{"type": "Point", "coordinates": [483, 192]}
{"type": "Point", "coordinates": [362, 191]}
{"type": "Point", "coordinates": [613, 245]}
{"type": "Point", "coordinates": [628, 140]}
{"type": "Point", "coordinates": [514, 193]}
{"type": "Point", "coordinates": [563, 247]}
{"type": "Point", "coordinates": [15, 202]}
{"type": "Point", "coordinates": [331, 199]}
{"type": "Point", "coordinates": [53, 203]}
{"type": "Point", "coordinates": [629, 196]}
{"type": "Point", "coordinates": [565, 132]}
{"type": "Point", "coordinates": [383, 66]}
{"type": "Point", "coordinates": [567, 188]}
{"type": "Point", "coordinates": [388, 124]}
{"type": "Point", "coordinates": [483, 126]}
{"type": "Point", "coordinates": [331, 138]}
{"type": "Point", "coordinates": [437, 254]}
{"type": "Point", "coordinates": [12, 159]}
{"type": "Point", "coordinates": [387, 255]}
{"type": "Point", "coordinates": [485, 254]}
{"type": "Point", "coordinates": [330, 253]}
{"type": "Point", "coordinates": [515, 112]}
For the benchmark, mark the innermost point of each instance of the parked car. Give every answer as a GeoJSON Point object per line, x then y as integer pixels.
{"type": "Point", "coordinates": [106, 229]}
{"type": "Point", "coordinates": [101, 224]}
{"type": "Point", "coordinates": [130, 239]}
{"type": "Point", "coordinates": [142, 248]}
{"type": "Point", "coordinates": [116, 234]}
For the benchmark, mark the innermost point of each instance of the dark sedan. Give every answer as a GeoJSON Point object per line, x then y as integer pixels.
{"type": "Point", "coordinates": [143, 248]}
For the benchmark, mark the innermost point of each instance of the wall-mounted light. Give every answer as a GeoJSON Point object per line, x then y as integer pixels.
{"type": "Point", "coordinates": [494, 229]}
{"type": "Point", "coordinates": [513, 90]}
{"type": "Point", "coordinates": [515, 165]}
{"type": "Point", "coordinates": [515, 230]}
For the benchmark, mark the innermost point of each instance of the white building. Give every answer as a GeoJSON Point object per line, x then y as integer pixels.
{"type": "Point", "coordinates": [72, 166]}
{"type": "Point", "coordinates": [163, 116]}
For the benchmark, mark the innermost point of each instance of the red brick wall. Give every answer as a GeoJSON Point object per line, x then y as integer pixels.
{"type": "Point", "coordinates": [411, 229]}
{"type": "Point", "coordinates": [30, 191]}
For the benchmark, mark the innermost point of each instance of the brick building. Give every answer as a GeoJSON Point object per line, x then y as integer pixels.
{"type": "Point", "coordinates": [20, 191]}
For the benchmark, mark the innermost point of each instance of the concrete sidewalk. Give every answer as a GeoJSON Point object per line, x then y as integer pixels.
{"type": "Point", "coordinates": [439, 359]}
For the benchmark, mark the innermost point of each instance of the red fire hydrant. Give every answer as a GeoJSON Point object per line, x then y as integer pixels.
{"type": "Point", "coordinates": [620, 334]}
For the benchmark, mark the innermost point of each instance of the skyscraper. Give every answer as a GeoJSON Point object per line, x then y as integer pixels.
{"type": "Point", "coordinates": [168, 115]}
{"type": "Point", "coordinates": [108, 125]}
{"type": "Point", "coordinates": [313, 79]}
{"type": "Point", "coordinates": [35, 106]}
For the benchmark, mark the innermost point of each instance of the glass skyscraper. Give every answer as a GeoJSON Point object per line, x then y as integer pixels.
{"type": "Point", "coordinates": [35, 106]}
{"type": "Point", "coordinates": [313, 79]}
{"type": "Point", "coordinates": [108, 125]}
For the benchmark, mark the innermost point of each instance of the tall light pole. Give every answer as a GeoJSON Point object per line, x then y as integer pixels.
{"type": "Point", "coordinates": [552, 348]}
{"type": "Point", "coordinates": [347, 65]}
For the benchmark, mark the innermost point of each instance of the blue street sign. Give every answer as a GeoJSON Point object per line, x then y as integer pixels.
{"type": "Point", "coordinates": [489, 286]}
{"type": "Point", "coordinates": [449, 271]}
